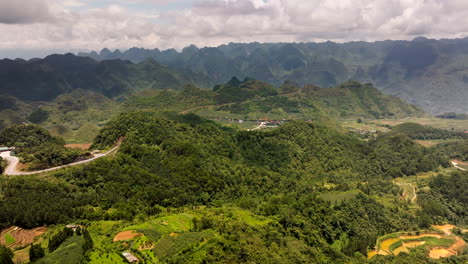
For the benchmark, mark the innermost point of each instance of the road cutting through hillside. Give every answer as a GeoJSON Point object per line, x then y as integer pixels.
{"type": "Point", "coordinates": [13, 162]}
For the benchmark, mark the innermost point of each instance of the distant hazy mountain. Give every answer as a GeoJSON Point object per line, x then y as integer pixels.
{"type": "Point", "coordinates": [45, 79]}
{"type": "Point", "coordinates": [430, 73]}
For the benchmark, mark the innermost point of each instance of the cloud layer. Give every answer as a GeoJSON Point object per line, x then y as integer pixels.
{"type": "Point", "coordinates": [24, 11]}
{"type": "Point", "coordinates": [83, 24]}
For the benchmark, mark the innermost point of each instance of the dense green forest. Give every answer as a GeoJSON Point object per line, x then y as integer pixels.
{"type": "Point", "coordinates": [454, 149]}
{"type": "Point", "coordinates": [254, 99]}
{"type": "Point", "coordinates": [447, 198]}
{"type": "Point", "coordinates": [168, 162]}
{"type": "Point", "coordinates": [418, 131]}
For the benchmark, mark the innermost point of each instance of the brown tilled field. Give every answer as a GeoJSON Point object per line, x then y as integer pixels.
{"type": "Point", "coordinates": [23, 237]}
{"type": "Point", "coordinates": [126, 235]}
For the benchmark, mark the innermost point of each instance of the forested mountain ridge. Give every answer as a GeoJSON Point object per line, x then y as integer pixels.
{"type": "Point", "coordinates": [432, 74]}
{"type": "Point", "coordinates": [251, 97]}
{"type": "Point", "coordinates": [45, 79]}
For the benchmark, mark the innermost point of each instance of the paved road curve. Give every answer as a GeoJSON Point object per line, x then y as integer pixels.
{"type": "Point", "coordinates": [13, 162]}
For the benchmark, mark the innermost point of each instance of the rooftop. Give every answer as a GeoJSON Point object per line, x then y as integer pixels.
{"type": "Point", "coordinates": [130, 258]}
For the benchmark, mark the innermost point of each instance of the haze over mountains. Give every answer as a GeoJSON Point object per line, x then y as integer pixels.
{"type": "Point", "coordinates": [432, 74]}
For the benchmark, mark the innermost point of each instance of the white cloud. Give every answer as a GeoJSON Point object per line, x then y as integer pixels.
{"type": "Point", "coordinates": [214, 22]}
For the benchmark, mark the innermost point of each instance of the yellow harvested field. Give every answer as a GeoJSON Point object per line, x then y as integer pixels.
{"type": "Point", "coordinates": [398, 250]}
{"type": "Point", "coordinates": [413, 244]}
{"type": "Point", "coordinates": [383, 253]}
{"type": "Point", "coordinates": [423, 235]}
{"type": "Point", "coordinates": [384, 245]}
{"type": "Point", "coordinates": [437, 253]}
{"type": "Point", "coordinates": [447, 229]}
{"type": "Point", "coordinates": [126, 235]}
{"type": "Point", "coordinates": [372, 253]}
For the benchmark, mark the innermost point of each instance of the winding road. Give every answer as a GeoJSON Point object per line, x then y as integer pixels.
{"type": "Point", "coordinates": [455, 164]}
{"type": "Point", "coordinates": [13, 162]}
{"type": "Point", "coordinates": [262, 124]}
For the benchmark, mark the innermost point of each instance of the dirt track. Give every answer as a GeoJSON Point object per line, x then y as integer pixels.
{"type": "Point", "coordinates": [262, 124]}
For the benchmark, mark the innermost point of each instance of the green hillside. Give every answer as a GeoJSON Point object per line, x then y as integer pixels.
{"type": "Point", "coordinates": [197, 191]}
{"type": "Point", "coordinates": [260, 100]}
{"type": "Point", "coordinates": [418, 131]}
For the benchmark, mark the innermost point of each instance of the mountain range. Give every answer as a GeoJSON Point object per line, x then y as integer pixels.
{"type": "Point", "coordinates": [45, 79]}
{"type": "Point", "coordinates": [432, 74]}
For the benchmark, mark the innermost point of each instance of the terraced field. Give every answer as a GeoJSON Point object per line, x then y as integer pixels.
{"type": "Point", "coordinates": [439, 245]}
{"type": "Point", "coordinates": [16, 237]}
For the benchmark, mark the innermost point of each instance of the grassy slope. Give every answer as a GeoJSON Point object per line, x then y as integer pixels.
{"type": "Point", "coordinates": [69, 252]}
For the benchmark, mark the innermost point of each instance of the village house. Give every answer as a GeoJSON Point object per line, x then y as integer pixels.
{"type": "Point", "coordinates": [130, 257]}
{"type": "Point", "coordinates": [3, 149]}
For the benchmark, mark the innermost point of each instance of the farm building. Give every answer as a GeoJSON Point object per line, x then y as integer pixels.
{"type": "Point", "coordinates": [130, 257]}
{"type": "Point", "coordinates": [2, 149]}
{"type": "Point", "coordinates": [74, 227]}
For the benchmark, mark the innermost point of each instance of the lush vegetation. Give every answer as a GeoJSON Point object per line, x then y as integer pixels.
{"type": "Point", "coordinates": [6, 255]}
{"type": "Point", "coordinates": [454, 149]}
{"type": "Point", "coordinates": [447, 198]}
{"type": "Point", "coordinates": [37, 147]}
{"type": "Point", "coordinates": [170, 162]}
{"type": "Point", "coordinates": [59, 238]}
{"type": "Point", "coordinates": [70, 252]}
{"type": "Point", "coordinates": [36, 252]}
{"type": "Point", "coordinates": [289, 101]}
{"type": "Point", "coordinates": [418, 131]}
{"type": "Point", "coordinates": [396, 155]}
{"type": "Point", "coordinates": [2, 165]}
{"type": "Point", "coordinates": [172, 100]}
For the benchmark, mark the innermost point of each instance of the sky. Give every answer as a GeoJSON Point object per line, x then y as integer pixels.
{"type": "Point", "coordinates": [35, 28]}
